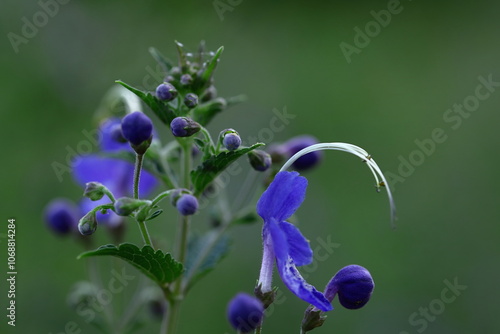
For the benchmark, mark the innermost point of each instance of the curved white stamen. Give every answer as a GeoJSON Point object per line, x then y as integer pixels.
{"type": "Point", "coordinates": [357, 151]}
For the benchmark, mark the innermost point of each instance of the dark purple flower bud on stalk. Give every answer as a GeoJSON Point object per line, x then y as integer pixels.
{"type": "Point", "coordinates": [353, 284]}
{"type": "Point", "coordinates": [61, 216]}
{"type": "Point", "coordinates": [88, 224]}
{"type": "Point", "coordinates": [259, 160]}
{"type": "Point", "coordinates": [166, 92]}
{"type": "Point", "coordinates": [296, 144]}
{"type": "Point", "coordinates": [245, 313]}
{"type": "Point", "coordinates": [187, 205]}
{"type": "Point", "coordinates": [184, 127]}
{"type": "Point", "coordinates": [137, 128]}
{"type": "Point", "coordinates": [191, 100]}
{"type": "Point", "coordinates": [230, 139]}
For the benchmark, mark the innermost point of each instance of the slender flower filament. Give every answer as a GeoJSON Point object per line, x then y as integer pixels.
{"type": "Point", "coordinates": [357, 151]}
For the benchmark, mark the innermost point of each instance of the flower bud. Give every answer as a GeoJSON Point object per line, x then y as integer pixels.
{"type": "Point", "coordinates": [313, 318]}
{"type": "Point", "coordinates": [186, 79]}
{"type": "Point", "coordinates": [259, 160]}
{"type": "Point", "coordinates": [245, 313]}
{"type": "Point", "coordinates": [137, 128]}
{"type": "Point", "coordinates": [184, 127]}
{"type": "Point", "coordinates": [115, 132]}
{"type": "Point", "coordinates": [124, 206]}
{"type": "Point", "coordinates": [88, 224]}
{"type": "Point", "coordinates": [61, 216]}
{"type": "Point", "coordinates": [191, 100]}
{"type": "Point", "coordinates": [166, 92]}
{"type": "Point", "coordinates": [94, 190]}
{"type": "Point", "coordinates": [296, 144]}
{"type": "Point", "coordinates": [230, 139]}
{"type": "Point", "coordinates": [187, 205]}
{"type": "Point", "coordinates": [209, 94]}
{"type": "Point", "coordinates": [353, 284]}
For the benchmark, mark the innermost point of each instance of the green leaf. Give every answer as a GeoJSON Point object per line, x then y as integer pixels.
{"type": "Point", "coordinates": [212, 64]}
{"type": "Point", "coordinates": [160, 59]}
{"type": "Point", "coordinates": [213, 166]}
{"type": "Point", "coordinates": [183, 62]}
{"type": "Point", "coordinates": [160, 108]}
{"type": "Point", "coordinates": [204, 113]}
{"type": "Point", "coordinates": [160, 267]}
{"type": "Point", "coordinates": [204, 253]}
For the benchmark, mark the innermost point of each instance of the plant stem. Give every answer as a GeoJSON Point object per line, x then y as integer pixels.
{"type": "Point", "coordinates": [145, 233]}
{"type": "Point", "coordinates": [175, 302]}
{"type": "Point", "coordinates": [137, 174]}
{"type": "Point", "coordinates": [137, 177]}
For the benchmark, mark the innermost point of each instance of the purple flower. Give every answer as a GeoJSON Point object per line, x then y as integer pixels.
{"type": "Point", "coordinates": [283, 242]}
{"type": "Point", "coordinates": [245, 312]}
{"type": "Point", "coordinates": [353, 284]}
{"type": "Point", "coordinates": [296, 144]}
{"type": "Point", "coordinates": [116, 174]}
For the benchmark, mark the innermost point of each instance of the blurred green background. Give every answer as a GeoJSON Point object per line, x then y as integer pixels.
{"type": "Point", "coordinates": [282, 54]}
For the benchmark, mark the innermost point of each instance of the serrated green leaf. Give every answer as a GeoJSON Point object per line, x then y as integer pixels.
{"type": "Point", "coordinates": [160, 108]}
{"type": "Point", "coordinates": [160, 59]}
{"type": "Point", "coordinates": [204, 253]}
{"type": "Point", "coordinates": [158, 266]}
{"type": "Point", "coordinates": [213, 166]}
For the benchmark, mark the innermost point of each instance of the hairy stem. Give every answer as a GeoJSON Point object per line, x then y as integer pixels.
{"type": "Point", "coordinates": [137, 174]}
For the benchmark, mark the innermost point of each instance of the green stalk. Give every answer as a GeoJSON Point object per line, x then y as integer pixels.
{"type": "Point", "coordinates": [137, 176]}
{"type": "Point", "coordinates": [175, 302]}
{"type": "Point", "coordinates": [137, 173]}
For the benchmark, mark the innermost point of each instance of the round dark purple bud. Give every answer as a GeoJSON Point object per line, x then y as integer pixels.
{"type": "Point", "coordinates": [298, 143]}
{"type": "Point", "coordinates": [191, 100]}
{"type": "Point", "coordinates": [230, 139]}
{"type": "Point", "coordinates": [88, 224]}
{"type": "Point", "coordinates": [184, 127]}
{"type": "Point", "coordinates": [116, 133]}
{"type": "Point", "coordinates": [245, 312]}
{"type": "Point", "coordinates": [259, 160]}
{"type": "Point", "coordinates": [137, 128]}
{"type": "Point", "coordinates": [61, 216]}
{"type": "Point", "coordinates": [187, 205]}
{"type": "Point", "coordinates": [166, 92]}
{"type": "Point", "coordinates": [186, 79]}
{"type": "Point", "coordinates": [353, 284]}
